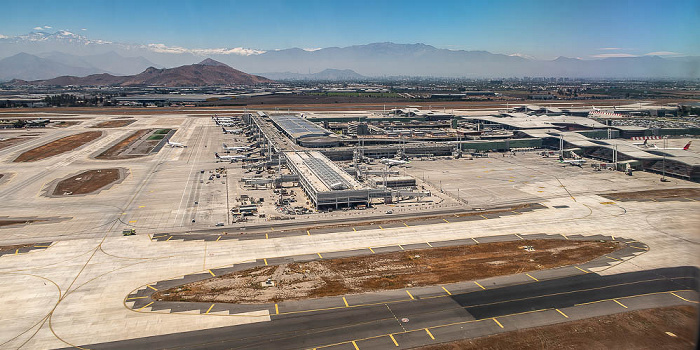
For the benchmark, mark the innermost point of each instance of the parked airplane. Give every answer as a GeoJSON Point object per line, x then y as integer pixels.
{"type": "Point", "coordinates": [642, 144]}
{"type": "Point", "coordinates": [236, 148]}
{"type": "Point", "coordinates": [229, 158]}
{"type": "Point", "coordinates": [685, 148]}
{"type": "Point", "coordinates": [175, 144]}
{"type": "Point", "coordinates": [231, 131]}
{"type": "Point", "coordinates": [572, 162]}
{"type": "Point", "coordinates": [393, 162]}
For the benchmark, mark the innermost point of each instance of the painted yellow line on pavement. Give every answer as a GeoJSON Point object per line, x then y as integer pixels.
{"type": "Point", "coordinates": [498, 323]}
{"type": "Point", "coordinates": [41, 246]}
{"type": "Point", "coordinates": [132, 221]}
{"type": "Point", "coordinates": [564, 235]}
{"type": "Point", "coordinates": [355, 345]}
{"type": "Point", "coordinates": [346, 302]}
{"type": "Point", "coordinates": [446, 291]}
{"type": "Point", "coordinates": [142, 206]}
{"type": "Point", "coordinates": [410, 295]}
{"type": "Point", "coordinates": [631, 246]}
{"type": "Point", "coordinates": [370, 249]}
{"type": "Point", "coordinates": [621, 304]}
{"type": "Point", "coordinates": [394, 340]}
{"type": "Point", "coordinates": [429, 245]}
{"type": "Point", "coordinates": [483, 217]}
{"type": "Point", "coordinates": [266, 236]}
{"type": "Point", "coordinates": [319, 255]}
{"type": "Point", "coordinates": [584, 271]}
{"type": "Point", "coordinates": [132, 298]}
{"type": "Point", "coordinates": [211, 273]}
{"type": "Point", "coordinates": [475, 241]}
{"type": "Point", "coordinates": [218, 238]}
{"type": "Point", "coordinates": [690, 199]}
{"type": "Point", "coordinates": [149, 286]}
{"type": "Point", "coordinates": [517, 235]}
{"type": "Point", "coordinates": [277, 309]}
{"type": "Point", "coordinates": [682, 298]}
{"type": "Point", "coordinates": [308, 233]}
{"type": "Point", "coordinates": [381, 228]}
{"type": "Point", "coordinates": [401, 247]}
{"type": "Point", "coordinates": [613, 237]}
{"type": "Point", "coordinates": [16, 251]}
{"type": "Point", "coordinates": [354, 229]}
{"type": "Point", "coordinates": [209, 309]}
{"type": "Point", "coordinates": [272, 228]}
{"type": "Point", "coordinates": [477, 283]}
{"type": "Point", "coordinates": [445, 220]}
{"type": "Point", "coordinates": [429, 334]}
{"type": "Point", "coordinates": [528, 275]}
{"type": "Point", "coordinates": [405, 224]}
{"type": "Point", "coordinates": [145, 306]}
{"type": "Point", "coordinates": [563, 314]}
{"type": "Point", "coordinates": [610, 257]}
{"type": "Point", "coordinates": [169, 238]}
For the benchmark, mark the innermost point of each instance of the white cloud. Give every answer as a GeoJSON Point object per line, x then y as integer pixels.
{"type": "Point", "coordinates": [610, 55]}
{"type": "Point", "coordinates": [47, 27]}
{"type": "Point", "coordinates": [38, 28]}
{"type": "Point", "coordinates": [3, 36]}
{"type": "Point", "coordinates": [83, 29]}
{"type": "Point", "coordinates": [610, 48]}
{"type": "Point", "coordinates": [522, 56]}
{"type": "Point", "coordinates": [313, 49]}
{"type": "Point", "coordinates": [663, 53]}
{"type": "Point", "coordinates": [162, 48]}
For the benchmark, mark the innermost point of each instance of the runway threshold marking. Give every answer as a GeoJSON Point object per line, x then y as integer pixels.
{"type": "Point", "coordinates": [445, 220]}
{"type": "Point", "coordinates": [145, 306]}
{"type": "Point", "coordinates": [149, 286]}
{"type": "Point", "coordinates": [498, 323]}
{"type": "Point", "coordinates": [370, 249]}
{"type": "Point", "coordinates": [319, 255]}
{"type": "Point", "coordinates": [517, 235]}
{"type": "Point", "coordinates": [277, 309]}
{"type": "Point", "coordinates": [346, 302]}
{"type": "Point", "coordinates": [563, 314]}
{"type": "Point", "coordinates": [477, 283]}
{"type": "Point", "coordinates": [209, 309]}
{"type": "Point", "coordinates": [682, 298]}
{"type": "Point", "coordinates": [584, 271]}
{"type": "Point", "coordinates": [528, 275]}
{"type": "Point", "coordinates": [394, 340]}
{"type": "Point", "coordinates": [619, 303]}
{"type": "Point", "coordinates": [475, 241]}
{"type": "Point", "coordinates": [410, 295]}
{"type": "Point", "coordinates": [211, 273]}
{"type": "Point", "coordinates": [429, 334]}
{"type": "Point", "coordinates": [265, 260]}
{"type": "Point", "coordinates": [446, 291]}
{"type": "Point", "coordinates": [355, 345]}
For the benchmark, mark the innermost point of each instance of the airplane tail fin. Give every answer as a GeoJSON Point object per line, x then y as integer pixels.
{"type": "Point", "coordinates": [224, 145]}
{"type": "Point", "coordinates": [217, 155]}
{"type": "Point", "coordinates": [687, 146]}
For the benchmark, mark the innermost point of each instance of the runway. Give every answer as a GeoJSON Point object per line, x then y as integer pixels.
{"type": "Point", "coordinates": [421, 321]}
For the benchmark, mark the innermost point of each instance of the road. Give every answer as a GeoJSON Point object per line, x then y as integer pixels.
{"type": "Point", "coordinates": [414, 322]}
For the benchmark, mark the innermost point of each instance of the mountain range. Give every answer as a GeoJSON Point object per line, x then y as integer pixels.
{"type": "Point", "coordinates": [206, 73]}
{"type": "Point", "coordinates": [371, 60]}
{"type": "Point", "coordinates": [325, 75]}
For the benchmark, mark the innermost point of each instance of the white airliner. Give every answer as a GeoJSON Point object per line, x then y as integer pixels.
{"type": "Point", "coordinates": [229, 158]}
{"type": "Point", "coordinates": [236, 148]}
{"type": "Point", "coordinates": [393, 162]}
{"type": "Point", "coordinates": [175, 144]}
{"type": "Point", "coordinates": [572, 162]}
{"type": "Point", "coordinates": [685, 148]}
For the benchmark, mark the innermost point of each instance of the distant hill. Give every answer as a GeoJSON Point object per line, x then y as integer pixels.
{"type": "Point", "coordinates": [108, 62]}
{"type": "Point", "coordinates": [325, 75]}
{"type": "Point", "coordinates": [206, 73]}
{"type": "Point", "coordinates": [30, 67]}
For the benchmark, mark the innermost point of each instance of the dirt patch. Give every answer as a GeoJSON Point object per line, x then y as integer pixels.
{"type": "Point", "coordinates": [654, 194]}
{"type": "Point", "coordinates": [16, 222]}
{"type": "Point", "coordinates": [115, 152]}
{"type": "Point", "coordinates": [643, 329]}
{"type": "Point", "coordinates": [118, 123]}
{"type": "Point", "coordinates": [387, 271]}
{"type": "Point", "coordinates": [65, 124]}
{"type": "Point", "coordinates": [4, 143]}
{"type": "Point", "coordinates": [87, 182]}
{"type": "Point", "coordinates": [59, 146]}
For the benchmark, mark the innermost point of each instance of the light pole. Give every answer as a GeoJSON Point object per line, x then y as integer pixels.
{"type": "Point", "coordinates": [663, 163]}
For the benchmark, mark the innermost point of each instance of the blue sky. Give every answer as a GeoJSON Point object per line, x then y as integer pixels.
{"type": "Point", "coordinates": [542, 29]}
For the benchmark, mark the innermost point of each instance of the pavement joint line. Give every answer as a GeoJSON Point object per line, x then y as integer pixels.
{"type": "Point", "coordinates": [621, 304]}
{"type": "Point", "coordinates": [682, 298]}
{"type": "Point", "coordinates": [445, 220]}
{"type": "Point", "coordinates": [475, 241]}
{"type": "Point", "coordinates": [346, 302]}
{"type": "Point", "coordinates": [370, 249]}
{"type": "Point", "coordinates": [393, 339]}
{"type": "Point", "coordinates": [145, 306]}
{"type": "Point", "coordinates": [209, 309]}
{"type": "Point", "coordinates": [211, 273]}
{"type": "Point", "coordinates": [410, 295]}
{"type": "Point", "coordinates": [477, 283]}
{"type": "Point", "coordinates": [277, 309]}
{"type": "Point", "coordinates": [517, 235]}
{"type": "Point", "coordinates": [584, 271]}
{"type": "Point", "coordinates": [528, 275]}
{"type": "Point", "coordinates": [498, 323]}
{"type": "Point", "coordinates": [319, 255]}
{"type": "Point", "coordinates": [429, 334]}
{"type": "Point", "coordinates": [149, 286]}
{"type": "Point", "coordinates": [446, 291]}
{"type": "Point", "coordinates": [563, 314]}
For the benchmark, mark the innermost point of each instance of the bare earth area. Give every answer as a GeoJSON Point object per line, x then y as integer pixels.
{"type": "Point", "coordinates": [115, 152]}
{"type": "Point", "coordinates": [12, 141]}
{"type": "Point", "coordinates": [15, 222]}
{"type": "Point", "coordinates": [655, 194]}
{"type": "Point", "coordinates": [65, 124]}
{"type": "Point", "coordinates": [86, 182]}
{"type": "Point", "coordinates": [59, 146]}
{"type": "Point", "coordinates": [664, 328]}
{"type": "Point", "coordinates": [114, 123]}
{"type": "Point", "coordinates": [387, 271]}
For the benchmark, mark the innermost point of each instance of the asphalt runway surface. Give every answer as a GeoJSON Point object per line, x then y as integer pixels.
{"type": "Point", "coordinates": [338, 328]}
